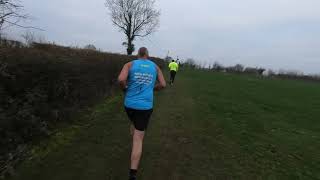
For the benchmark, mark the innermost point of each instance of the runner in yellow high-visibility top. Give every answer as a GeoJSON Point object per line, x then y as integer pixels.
{"type": "Point", "coordinates": [174, 67]}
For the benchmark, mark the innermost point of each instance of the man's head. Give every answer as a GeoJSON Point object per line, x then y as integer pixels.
{"type": "Point", "coordinates": [172, 61]}
{"type": "Point", "coordinates": [143, 53]}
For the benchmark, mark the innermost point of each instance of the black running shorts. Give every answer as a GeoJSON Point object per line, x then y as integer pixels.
{"type": "Point", "coordinates": [139, 118]}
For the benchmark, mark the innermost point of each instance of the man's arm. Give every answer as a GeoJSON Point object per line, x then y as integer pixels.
{"type": "Point", "coordinates": [123, 76]}
{"type": "Point", "coordinates": [161, 81]}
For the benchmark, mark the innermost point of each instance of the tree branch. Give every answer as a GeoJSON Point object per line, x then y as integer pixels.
{"type": "Point", "coordinates": [26, 27]}
{"type": "Point", "coordinates": [11, 13]}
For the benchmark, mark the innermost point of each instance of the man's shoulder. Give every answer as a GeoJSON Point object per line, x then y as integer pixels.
{"type": "Point", "coordinates": [129, 63]}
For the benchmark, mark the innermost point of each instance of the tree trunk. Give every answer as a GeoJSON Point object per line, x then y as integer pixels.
{"type": "Point", "coordinates": [129, 48]}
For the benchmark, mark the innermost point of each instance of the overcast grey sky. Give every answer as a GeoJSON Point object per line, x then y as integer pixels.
{"type": "Point", "coordinates": [269, 33]}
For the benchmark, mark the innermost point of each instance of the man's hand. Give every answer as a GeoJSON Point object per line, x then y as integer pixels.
{"type": "Point", "coordinates": [161, 81]}
{"type": "Point", "coordinates": [125, 89]}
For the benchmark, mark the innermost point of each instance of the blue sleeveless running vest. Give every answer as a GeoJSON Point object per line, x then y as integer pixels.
{"type": "Point", "coordinates": [141, 81]}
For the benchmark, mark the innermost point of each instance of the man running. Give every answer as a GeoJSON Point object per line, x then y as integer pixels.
{"type": "Point", "coordinates": [173, 66]}
{"type": "Point", "coordinates": [139, 79]}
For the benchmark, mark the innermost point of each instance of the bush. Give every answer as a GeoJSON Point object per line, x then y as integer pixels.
{"type": "Point", "coordinates": [255, 71]}
{"type": "Point", "coordinates": [235, 69]}
{"type": "Point", "coordinates": [293, 74]}
{"type": "Point", "coordinates": [217, 67]}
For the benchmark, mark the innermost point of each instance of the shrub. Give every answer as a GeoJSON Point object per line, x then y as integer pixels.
{"type": "Point", "coordinates": [217, 67]}
{"type": "Point", "coordinates": [235, 69]}
{"type": "Point", "coordinates": [255, 71]}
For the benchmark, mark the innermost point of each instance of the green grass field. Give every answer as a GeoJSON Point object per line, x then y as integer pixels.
{"type": "Point", "coordinates": [208, 126]}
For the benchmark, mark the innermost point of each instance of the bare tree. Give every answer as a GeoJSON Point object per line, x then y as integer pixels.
{"type": "Point", "coordinates": [29, 38]}
{"type": "Point", "coordinates": [190, 63]}
{"type": "Point", "coordinates": [168, 59]}
{"type": "Point", "coordinates": [238, 68]}
{"type": "Point", "coordinates": [11, 13]}
{"type": "Point", "coordinates": [217, 66]}
{"type": "Point", "coordinates": [90, 47]}
{"type": "Point", "coordinates": [135, 18]}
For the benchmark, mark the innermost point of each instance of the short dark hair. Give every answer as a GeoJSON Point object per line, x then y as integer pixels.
{"type": "Point", "coordinates": [143, 51]}
{"type": "Point", "coordinates": [172, 60]}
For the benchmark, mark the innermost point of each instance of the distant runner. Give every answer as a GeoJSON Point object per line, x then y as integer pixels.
{"type": "Point", "coordinates": [139, 79]}
{"type": "Point", "coordinates": [173, 66]}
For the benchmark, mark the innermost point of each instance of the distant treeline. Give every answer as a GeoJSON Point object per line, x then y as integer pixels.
{"type": "Point", "coordinates": [287, 74]}
{"type": "Point", "coordinates": [44, 84]}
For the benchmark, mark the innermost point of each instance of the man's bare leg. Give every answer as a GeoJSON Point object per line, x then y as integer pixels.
{"type": "Point", "coordinates": [136, 148]}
